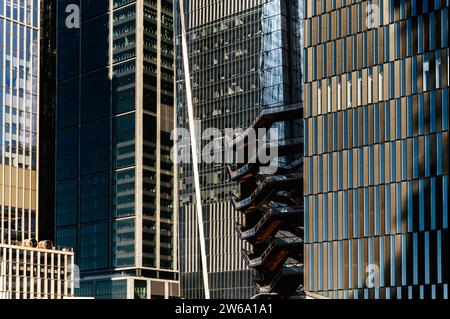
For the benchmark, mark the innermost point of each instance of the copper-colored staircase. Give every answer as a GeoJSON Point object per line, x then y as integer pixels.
{"type": "Point", "coordinates": [273, 208]}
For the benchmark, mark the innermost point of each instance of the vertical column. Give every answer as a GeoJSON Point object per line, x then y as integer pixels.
{"type": "Point", "coordinates": [37, 25]}
{"type": "Point", "coordinates": [158, 136]}
{"type": "Point", "coordinates": [139, 131]}
{"type": "Point", "coordinates": [2, 276]}
{"type": "Point", "coordinates": [39, 275]}
{"type": "Point", "coordinates": [2, 128]}
{"type": "Point", "coordinates": [130, 288]}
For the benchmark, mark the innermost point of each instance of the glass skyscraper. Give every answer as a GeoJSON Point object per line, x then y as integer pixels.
{"type": "Point", "coordinates": [114, 175]}
{"type": "Point", "coordinates": [28, 269]}
{"type": "Point", "coordinates": [19, 58]}
{"type": "Point", "coordinates": [237, 53]}
{"type": "Point", "coordinates": [377, 152]}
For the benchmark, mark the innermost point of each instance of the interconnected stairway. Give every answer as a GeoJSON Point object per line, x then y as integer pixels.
{"type": "Point", "coordinates": [273, 207]}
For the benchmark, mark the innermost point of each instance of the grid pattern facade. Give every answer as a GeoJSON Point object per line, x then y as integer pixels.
{"type": "Point", "coordinates": [114, 195]}
{"type": "Point", "coordinates": [376, 156]}
{"type": "Point", "coordinates": [19, 59]}
{"type": "Point", "coordinates": [237, 52]}
{"type": "Point", "coordinates": [30, 273]}
{"type": "Point", "coordinates": [25, 272]}
{"type": "Point", "coordinates": [229, 277]}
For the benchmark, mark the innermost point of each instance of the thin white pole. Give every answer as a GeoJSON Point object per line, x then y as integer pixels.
{"type": "Point", "coordinates": [195, 161]}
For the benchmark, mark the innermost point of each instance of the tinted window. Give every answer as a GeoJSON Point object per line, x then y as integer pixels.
{"type": "Point", "coordinates": [67, 237]}
{"type": "Point", "coordinates": [150, 100]}
{"type": "Point", "coordinates": [67, 152]}
{"type": "Point", "coordinates": [66, 203]}
{"type": "Point", "coordinates": [94, 246]}
{"type": "Point", "coordinates": [95, 96]}
{"type": "Point", "coordinates": [124, 140]}
{"type": "Point", "coordinates": [94, 198]}
{"type": "Point", "coordinates": [95, 150]}
{"type": "Point", "coordinates": [92, 8]}
{"type": "Point", "coordinates": [67, 114]}
{"type": "Point", "coordinates": [123, 243]}
{"type": "Point", "coordinates": [123, 193]}
{"type": "Point", "coordinates": [68, 50]}
{"type": "Point", "coordinates": [123, 99]}
{"type": "Point", "coordinates": [94, 43]}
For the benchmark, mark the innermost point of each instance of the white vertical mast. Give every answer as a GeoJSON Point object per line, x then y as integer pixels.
{"type": "Point", "coordinates": [195, 161]}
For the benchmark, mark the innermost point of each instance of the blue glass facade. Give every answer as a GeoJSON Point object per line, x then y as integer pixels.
{"type": "Point", "coordinates": [29, 268]}
{"type": "Point", "coordinates": [376, 157]}
{"type": "Point", "coordinates": [241, 61]}
{"type": "Point", "coordinates": [83, 136]}
{"type": "Point", "coordinates": [19, 68]}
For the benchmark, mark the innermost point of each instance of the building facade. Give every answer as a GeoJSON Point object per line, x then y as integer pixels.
{"type": "Point", "coordinates": [376, 156]}
{"type": "Point", "coordinates": [28, 269]}
{"type": "Point", "coordinates": [114, 176]}
{"type": "Point", "coordinates": [38, 271]}
{"type": "Point", "coordinates": [47, 105]}
{"type": "Point", "coordinates": [237, 52]}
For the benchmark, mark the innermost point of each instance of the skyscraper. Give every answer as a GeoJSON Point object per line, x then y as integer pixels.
{"type": "Point", "coordinates": [271, 194]}
{"type": "Point", "coordinates": [28, 269]}
{"type": "Point", "coordinates": [114, 115]}
{"type": "Point", "coordinates": [238, 54]}
{"type": "Point", "coordinates": [376, 158]}
{"type": "Point", "coordinates": [47, 102]}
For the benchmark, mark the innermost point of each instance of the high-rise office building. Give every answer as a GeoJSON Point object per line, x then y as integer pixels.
{"type": "Point", "coordinates": [238, 52]}
{"type": "Point", "coordinates": [47, 105]}
{"type": "Point", "coordinates": [272, 201]}
{"type": "Point", "coordinates": [114, 176]}
{"type": "Point", "coordinates": [376, 156]}
{"type": "Point", "coordinates": [28, 269]}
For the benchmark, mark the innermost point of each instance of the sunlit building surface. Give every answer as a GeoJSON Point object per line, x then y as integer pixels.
{"type": "Point", "coordinates": [35, 272]}
{"type": "Point", "coordinates": [28, 269]}
{"type": "Point", "coordinates": [114, 176]}
{"type": "Point", "coordinates": [376, 153]}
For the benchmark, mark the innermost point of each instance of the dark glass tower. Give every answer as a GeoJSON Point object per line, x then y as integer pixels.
{"type": "Point", "coordinates": [114, 115]}
{"type": "Point", "coordinates": [377, 152]}
{"type": "Point", "coordinates": [47, 101]}
{"type": "Point", "coordinates": [239, 53]}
